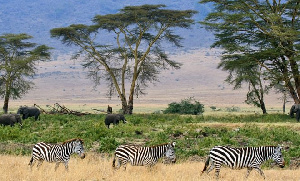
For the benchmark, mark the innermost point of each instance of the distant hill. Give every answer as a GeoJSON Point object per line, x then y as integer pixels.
{"type": "Point", "coordinates": [38, 17]}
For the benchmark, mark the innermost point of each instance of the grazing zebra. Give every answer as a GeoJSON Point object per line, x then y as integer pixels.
{"type": "Point", "coordinates": [56, 152]}
{"type": "Point", "coordinates": [247, 157]}
{"type": "Point", "coordinates": [143, 156]}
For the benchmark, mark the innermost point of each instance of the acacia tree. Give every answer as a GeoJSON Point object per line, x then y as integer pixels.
{"type": "Point", "coordinates": [18, 59]}
{"type": "Point", "coordinates": [263, 32]}
{"type": "Point", "coordinates": [134, 56]}
{"type": "Point", "coordinates": [243, 72]}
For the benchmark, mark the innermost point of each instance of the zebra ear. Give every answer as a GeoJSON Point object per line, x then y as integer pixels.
{"type": "Point", "coordinates": [282, 147]}
{"type": "Point", "coordinates": [173, 144]}
{"type": "Point", "coordinates": [79, 140]}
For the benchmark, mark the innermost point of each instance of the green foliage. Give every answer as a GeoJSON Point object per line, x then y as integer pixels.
{"type": "Point", "coordinates": [18, 58]}
{"type": "Point", "coordinates": [186, 106]}
{"type": "Point", "coordinates": [260, 41]}
{"type": "Point", "coordinates": [107, 144]}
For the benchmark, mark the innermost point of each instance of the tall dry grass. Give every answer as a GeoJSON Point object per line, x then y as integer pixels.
{"type": "Point", "coordinates": [94, 167]}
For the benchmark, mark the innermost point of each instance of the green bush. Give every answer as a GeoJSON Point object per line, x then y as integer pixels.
{"type": "Point", "coordinates": [107, 144]}
{"type": "Point", "coordinates": [186, 106]}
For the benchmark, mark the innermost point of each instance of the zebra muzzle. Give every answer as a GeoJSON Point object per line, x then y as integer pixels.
{"type": "Point", "coordinates": [82, 155]}
{"type": "Point", "coordinates": [282, 165]}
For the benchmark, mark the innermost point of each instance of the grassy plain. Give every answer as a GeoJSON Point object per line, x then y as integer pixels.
{"type": "Point", "coordinates": [96, 167]}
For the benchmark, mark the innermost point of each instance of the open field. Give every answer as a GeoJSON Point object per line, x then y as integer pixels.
{"type": "Point", "coordinates": [64, 81]}
{"type": "Point", "coordinates": [96, 167]}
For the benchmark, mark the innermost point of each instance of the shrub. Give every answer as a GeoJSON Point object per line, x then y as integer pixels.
{"type": "Point", "coordinates": [186, 106]}
{"type": "Point", "coordinates": [107, 144]}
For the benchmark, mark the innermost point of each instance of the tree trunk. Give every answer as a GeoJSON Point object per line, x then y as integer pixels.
{"type": "Point", "coordinates": [128, 108]}
{"type": "Point", "coordinates": [6, 97]}
{"type": "Point", "coordinates": [293, 92]}
{"type": "Point", "coordinates": [130, 104]}
{"type": "Point", "coordinates": [263, 107]}
{"type": "Point", "coordinates": [5, 106]}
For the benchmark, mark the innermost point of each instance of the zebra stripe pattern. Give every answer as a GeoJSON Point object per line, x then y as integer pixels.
{"type": "Point", "coordinates": [59, 153]}
{"type": "Point", "coordinates": [143, 156]}
{"type": "Point", "coordinates": [247, 157]}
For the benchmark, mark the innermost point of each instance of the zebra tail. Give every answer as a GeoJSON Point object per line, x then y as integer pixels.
{"type": "Point", "coordinates": [206, 164]}
{"type": "Point", "coordinates": [30, 162]}
{"type": "Point", "coordinates": [114, 161]}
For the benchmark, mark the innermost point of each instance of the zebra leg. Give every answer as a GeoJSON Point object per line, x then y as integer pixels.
{"type": "Point", "coordinates": [39, 163]}
{"type": "Point", "coordinates": [150, 164]}
{"type": "Point", "coordinates": [218, 167]}
{"type": "Point", "coordinates": [211, 167]}
{"type": "Point", "coordinates": [205, 165]}
{"type": "Point", "coordinates": [66, 166]}
{"type": "Point", "coordinates": [124, 164]}
{"type": "Point", "coordinates": [260, 171]}
{"type": "Point", "coordinates": [249, 169]}
{"type": "Point", "coordinates": [31, 163]}
{"type": "Point", "coordinates": [118, 165]}
{"type": "Point", "coordinates": [56, 165]}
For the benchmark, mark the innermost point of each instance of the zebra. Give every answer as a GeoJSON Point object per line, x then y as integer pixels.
{"type": "Point", "coordinates": [143, 156]}
{"type": "Point", "coordinates": [56, 152]}
{"type": "Point", "coordinates": [247, 157]}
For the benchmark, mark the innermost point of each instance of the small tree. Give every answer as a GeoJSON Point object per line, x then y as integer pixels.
{"type": "Point", "coordinates": [186, 106]}
{"type": "Point", "coordinates": [246, 72]}
{"type": "Point", "coordinates": [135, 55]}
{"type": "Point", "coordinates": [18, 59]}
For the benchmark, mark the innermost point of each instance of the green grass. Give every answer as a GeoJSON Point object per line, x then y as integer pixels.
{"type": "Point", "coordinates": [192, 137]}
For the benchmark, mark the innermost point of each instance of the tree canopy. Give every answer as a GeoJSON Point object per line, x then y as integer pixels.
{"type": "Point", "coordinates": [18, 58]}
{"type": "Point", "coordinates": [135, 56]}
{"type": "Point", "coordinates": [265, 34]}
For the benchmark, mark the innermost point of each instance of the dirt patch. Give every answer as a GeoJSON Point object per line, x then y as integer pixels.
{"type": "Point", "coordinates": [294, 163]}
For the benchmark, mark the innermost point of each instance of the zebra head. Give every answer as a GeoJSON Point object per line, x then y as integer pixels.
{"type": "Point", "coordinates": [170, 153]}
{"type": "Point", "coordinates": [277, 156]}
{"type": "Point", "coordinates": [78, 148]}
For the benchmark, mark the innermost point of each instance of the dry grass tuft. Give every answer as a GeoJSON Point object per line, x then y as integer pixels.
{"type": "Point", "coordinates": [95, 167]}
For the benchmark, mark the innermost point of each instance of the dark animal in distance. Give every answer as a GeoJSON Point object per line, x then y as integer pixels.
{"type": "Point", "coordinates": [295, 109]}
{"type": "Point", "coordinates": [10, 119]}
{"type": "Point", "coordinates": [29, 112]}
{"type": "Point", "coordinates": [59, 153]}
{"type": "Point", "coordinates": [247, 157]}
{"type": "Point", "coordinates": [114, 119]}
{"type": "Point", "coordinates": [109, 110]}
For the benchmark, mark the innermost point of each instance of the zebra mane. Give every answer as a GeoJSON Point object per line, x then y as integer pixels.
{"type": "Point", "coordinates": [74, 139]}
{"type": "Point", "coordinates": [158, 145]}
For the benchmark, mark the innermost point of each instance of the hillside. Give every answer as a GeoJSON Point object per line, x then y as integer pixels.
{"type": "Point", "coordinates": [65, 82]}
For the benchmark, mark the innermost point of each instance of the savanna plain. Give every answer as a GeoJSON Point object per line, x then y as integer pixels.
{"type": "Point", "coordinates": [94, 167]}
{"type": "Point", "coordinates": [231, 123]}
{"type": "Point", "coordinates": [194, 136]}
